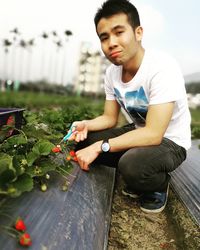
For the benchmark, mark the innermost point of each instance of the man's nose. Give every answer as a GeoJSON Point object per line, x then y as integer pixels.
{"type": "Point", "coordinates": [112, 42]}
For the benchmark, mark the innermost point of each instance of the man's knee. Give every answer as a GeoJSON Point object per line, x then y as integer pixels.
{"type": "Point", "coordinates": [135, 168]}
{"type": "Point", "coordinates": [130, 166]}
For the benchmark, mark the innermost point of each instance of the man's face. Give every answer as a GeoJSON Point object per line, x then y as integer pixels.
{"type": "Point", "coordinates": [118, 40]}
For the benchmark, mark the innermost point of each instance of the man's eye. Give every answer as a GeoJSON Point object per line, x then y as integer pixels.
{"type": "Point", "coordinates": [104, 38]}
{"type": "Point", "coordinates": [119, 32]}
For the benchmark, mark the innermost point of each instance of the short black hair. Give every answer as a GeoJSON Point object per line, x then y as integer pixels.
{"type": "Point", "coordinates": [112, 7]}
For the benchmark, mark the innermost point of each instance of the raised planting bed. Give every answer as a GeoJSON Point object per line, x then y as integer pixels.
{"type": "Point", "coordinates": [78, 218]}
{"type": "Point", "coordinates": [186, 181]}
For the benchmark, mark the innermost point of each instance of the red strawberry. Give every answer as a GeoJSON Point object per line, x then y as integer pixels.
{"type": "Point", "coordinates": [20, 225]}
{"type": "Point", "coordinates": [72, 153]}
{"type": "Point", "coordinates": [11, 120]}
{"type": "Point", "coordinates": [25, 240]}
{"type": "Point", "coordinates": [75, 158]}
{"type": "Point", "coordinates": [56, 149]}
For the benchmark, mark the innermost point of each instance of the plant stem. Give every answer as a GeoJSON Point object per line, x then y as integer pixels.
{"type": "Point", "coordinates": [3, 192]}
{"type": "Point", "coordinates": [61, 174]}
{"type": "Point", "coordinates": [22, 132]}
{"type": "Point", "coordinates": [11, 229]}
{"type": "Point", "coordinates": [6, 215]}
{"type": "Point", "coordinates": [65, 171]}
{"type": "Point", "coordinates": [6, 230]}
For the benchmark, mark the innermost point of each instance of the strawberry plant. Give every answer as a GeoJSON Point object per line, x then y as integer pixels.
{"type": "Point", "coordinates": [32, 155]}
{"type": "Point", "coordinates": [28, 157]}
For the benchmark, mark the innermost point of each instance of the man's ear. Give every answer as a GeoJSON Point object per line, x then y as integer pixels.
{"type": "Point", "coordinates": [139, 33]}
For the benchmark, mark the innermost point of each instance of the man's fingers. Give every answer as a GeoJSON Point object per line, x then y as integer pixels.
{"type": "Point", "coordinates": [83, 165]}
{"type": "Point", "coordinates": [73, 136]}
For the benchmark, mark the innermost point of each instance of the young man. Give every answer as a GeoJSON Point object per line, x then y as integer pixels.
{"type": "Point", "coordinates": [149, 87]}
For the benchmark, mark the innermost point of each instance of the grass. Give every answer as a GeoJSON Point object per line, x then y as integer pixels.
{"type": "Point", "coordinates": [31, 100]}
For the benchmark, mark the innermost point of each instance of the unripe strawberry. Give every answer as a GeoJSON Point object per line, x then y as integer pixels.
{"type": "Point", "coordinates": [68, 158]}
{"type": "Point", "coordinates": [43, 187]}
{"type": "Point", "coordinates": [47, 176]}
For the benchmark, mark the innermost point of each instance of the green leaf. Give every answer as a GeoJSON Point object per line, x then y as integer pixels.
{"type": "Point", "coordinates": [43, 147]}
{"type": "Point", "coordinates": [44, 166]}
{"type": "Point", "coordinates": [31, 131]}
{"type": "Point", "coordinates": [32, 157]}
{"type": "Point", "coordinates": [23, 183]}
{"type": "Point", "coordinates": [7, 177]}
{"type": "Point", "coordinates": [12, 141]}
{"type": "Point", "coordinates": [5, 163]}
{"type": "Point", "coordinates": [17, 140]}
{"type": "Point", "coordinates": [47, 165]}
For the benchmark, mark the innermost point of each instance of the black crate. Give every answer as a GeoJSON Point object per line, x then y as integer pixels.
{"type": "Point", "coordinates": [11, 116]}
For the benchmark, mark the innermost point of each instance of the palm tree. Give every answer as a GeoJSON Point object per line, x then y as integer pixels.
{"type": "Point", "coordinates": [59, 45]}
{"type": "Point", "coordinates": [6, 44]}
{"type": "Point", "coordinates": [16, 35]}
{"type": "Point", "coordinates": [23, 46]}
{"type": "Point", "coordinates": [52, 67]}
{"type": "Point", "coordinates": [30, 44]}
{"type": "Point", "coordinates": [44, 36]}
{"type": "Point", "coordinates": [67, 33]}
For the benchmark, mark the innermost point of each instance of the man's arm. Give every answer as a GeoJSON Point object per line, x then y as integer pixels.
{"type": "Point", "coordinates": [107, 120]}
{"type": "Point", "coordinates": [157, 121]}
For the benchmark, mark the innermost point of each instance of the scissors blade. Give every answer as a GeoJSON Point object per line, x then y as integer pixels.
{"type": "Point", "coordinates": [67, 136]}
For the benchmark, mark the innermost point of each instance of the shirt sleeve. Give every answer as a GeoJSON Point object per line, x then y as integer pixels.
{"type": "Point", "coordinates": [108, 86]}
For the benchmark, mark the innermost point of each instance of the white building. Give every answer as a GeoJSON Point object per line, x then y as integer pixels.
{"type": "Point", "coordinates": [91, 70]}
{"type": "Point", "coordinates": [193, 100]}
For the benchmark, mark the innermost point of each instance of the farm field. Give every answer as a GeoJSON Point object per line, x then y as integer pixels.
{"type": "Point", "coordinates": [130, 228]}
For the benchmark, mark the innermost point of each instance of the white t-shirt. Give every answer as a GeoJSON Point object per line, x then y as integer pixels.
{"type": "Point", "coordinates": [158, 80]}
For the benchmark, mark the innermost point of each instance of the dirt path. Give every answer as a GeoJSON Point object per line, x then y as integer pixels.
{"type": "Point", "coordinates": [133, 229]}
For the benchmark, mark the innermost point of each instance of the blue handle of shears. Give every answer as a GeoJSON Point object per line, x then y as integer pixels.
{"type": "Point", "coordinates": [70, 132]}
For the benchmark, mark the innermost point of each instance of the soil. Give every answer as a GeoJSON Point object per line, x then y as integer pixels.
{"type": "Point", "coordinates": [132, 229]}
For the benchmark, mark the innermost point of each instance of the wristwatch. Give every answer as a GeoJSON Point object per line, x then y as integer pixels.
{"type": "Point", "coordinates": [105, 146]}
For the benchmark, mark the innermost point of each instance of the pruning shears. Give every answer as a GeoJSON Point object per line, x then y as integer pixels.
{"type": "Point", "coordinates": [71, 131]}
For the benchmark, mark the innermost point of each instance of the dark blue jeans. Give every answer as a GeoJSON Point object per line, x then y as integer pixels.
{"type": "Point", "coordinates": [144, 169]}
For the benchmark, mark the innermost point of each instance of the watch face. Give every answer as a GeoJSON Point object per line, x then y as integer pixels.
{"type": "Point", "coordinates": [105, 147]}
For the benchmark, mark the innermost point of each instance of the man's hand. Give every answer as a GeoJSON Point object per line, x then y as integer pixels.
{"type": "Point", "coordinates": [80, 131]}
{"type": "Point", "coordinates": [87, 155]}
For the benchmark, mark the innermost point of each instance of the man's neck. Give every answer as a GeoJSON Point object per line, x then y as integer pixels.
{"type": "Point", "coordinates": [130, 69]}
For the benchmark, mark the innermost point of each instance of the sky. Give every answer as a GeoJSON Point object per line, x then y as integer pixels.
{"type": "Point", "coordinates": [169, 25]}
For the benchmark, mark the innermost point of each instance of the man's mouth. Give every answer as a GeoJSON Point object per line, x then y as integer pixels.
{"type": "Point", "coordinates": [115, 54]}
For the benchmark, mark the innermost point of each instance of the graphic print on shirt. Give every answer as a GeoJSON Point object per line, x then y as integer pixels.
{"type": "Point", "coordinates": [135, 103]}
